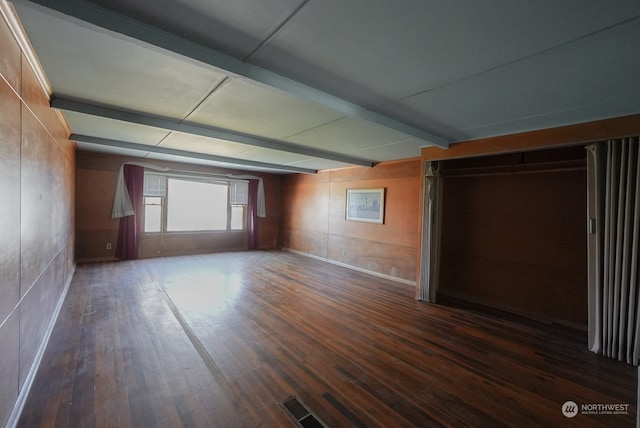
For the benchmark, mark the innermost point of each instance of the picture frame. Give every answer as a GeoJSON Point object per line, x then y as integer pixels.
{"type": "Point", "coordinates": [365, 205]}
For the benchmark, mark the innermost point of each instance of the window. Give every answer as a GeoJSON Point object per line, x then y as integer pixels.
{"type": "Point", "coordinates": [189, 204]}
{"type": "Point", "coordinates": [152, 214]}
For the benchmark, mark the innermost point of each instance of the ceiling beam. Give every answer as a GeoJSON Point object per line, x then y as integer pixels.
{"type": "Point", "coordinates": [105, 18]}
{"type": "Point", "coordinates": [186, 154]}
{"type": "Point", "coordinates": [171, 124]}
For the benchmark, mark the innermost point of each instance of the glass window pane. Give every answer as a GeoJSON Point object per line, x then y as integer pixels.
{"type": "Point", "coordinates": [196, 206]}
{"type": "Point", "coordinates": [237, 217]}
{"type": "Point", "coordinates": [152, 216]}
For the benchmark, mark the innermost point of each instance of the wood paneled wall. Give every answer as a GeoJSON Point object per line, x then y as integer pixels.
{"type": "Point", "coordinates": [313, 218]}
{"type": "Point", "coordinates": [37, 164]}
{"type": "Point", "coordinates": [96, 180]}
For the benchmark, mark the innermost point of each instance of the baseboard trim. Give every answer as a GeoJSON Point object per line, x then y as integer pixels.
{"type": "Point", "coordinates": [524, 314]}
{"type": "Point", "coordinates": [369, 272]}
{"type": "Point", "coordinates": [28, 383]}
{"type": "Point", "coordinates": [96, 260]}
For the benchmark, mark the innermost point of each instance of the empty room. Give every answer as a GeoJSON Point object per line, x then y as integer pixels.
{"type": "Point", "coordinates": [319, 213]}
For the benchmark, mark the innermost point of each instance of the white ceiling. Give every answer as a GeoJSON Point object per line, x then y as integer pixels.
{"type": "Point", "coordinates": [305, 85]}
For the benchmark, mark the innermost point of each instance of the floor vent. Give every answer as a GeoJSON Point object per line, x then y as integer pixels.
{"type": "Point", "coordinates": [300, 414]}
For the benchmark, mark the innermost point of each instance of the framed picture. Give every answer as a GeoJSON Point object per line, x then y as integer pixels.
{"type": "Point", "coordinates": [365, 205]}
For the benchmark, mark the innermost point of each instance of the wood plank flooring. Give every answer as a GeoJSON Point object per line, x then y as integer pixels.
{"type": "Point", "coordinates": [220, 340]}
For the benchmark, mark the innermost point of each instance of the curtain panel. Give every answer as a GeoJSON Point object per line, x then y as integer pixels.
{"type": "Point", "coordinates": [614, 228]}
{"type": "Point", "coordinates": [426, 288]}
{"type": "Point", "coordinates": [252, 215]}
{"type": "Point", "coordinates": [130, 228]}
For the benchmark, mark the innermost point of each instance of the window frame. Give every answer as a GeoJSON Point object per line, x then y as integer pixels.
{"type": "Point", "coordinates": [163, 216]}
{"type": "Point", "coordinates": [165, 201]}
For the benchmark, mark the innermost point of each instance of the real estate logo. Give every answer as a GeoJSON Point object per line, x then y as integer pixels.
{"type": "Point", "coordinates": [569, 409]}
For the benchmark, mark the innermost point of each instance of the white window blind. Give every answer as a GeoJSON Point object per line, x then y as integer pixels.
{"type": "Point", "coordinates": [155, 185]}
{"type": "Point", "coordinates": [238, 193]}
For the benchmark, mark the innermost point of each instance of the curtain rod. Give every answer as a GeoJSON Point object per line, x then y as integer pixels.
{"type": "Point", "coordinates": [161, 168]}
{"type": "Point", "coordinates": [183, 173]}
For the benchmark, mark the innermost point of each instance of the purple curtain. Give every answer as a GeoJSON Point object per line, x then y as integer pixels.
{"type": "Point", "coordinates": [252, 216]}
{"type": "Point", "coordinates": [131, 226]}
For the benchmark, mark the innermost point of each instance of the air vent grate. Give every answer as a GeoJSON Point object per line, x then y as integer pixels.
{"type": "Point", "coordinates": [301, 414]}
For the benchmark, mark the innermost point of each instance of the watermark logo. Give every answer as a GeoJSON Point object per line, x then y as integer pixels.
{"type": "Point", "coordinates": [569, 409]}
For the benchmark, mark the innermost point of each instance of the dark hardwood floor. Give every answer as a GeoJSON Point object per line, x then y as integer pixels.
{"type": "Point", "coordinates": [220, 340]}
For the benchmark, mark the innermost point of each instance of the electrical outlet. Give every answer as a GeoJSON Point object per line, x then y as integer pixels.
{"type": "Point", "coordinates": [108, 245]}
